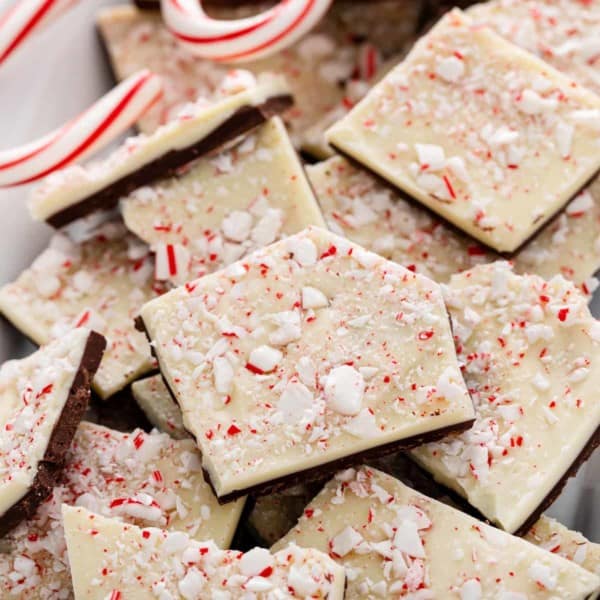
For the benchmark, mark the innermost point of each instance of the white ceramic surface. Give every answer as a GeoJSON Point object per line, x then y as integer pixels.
{"type": "Point", "coordinates": [56, 75]}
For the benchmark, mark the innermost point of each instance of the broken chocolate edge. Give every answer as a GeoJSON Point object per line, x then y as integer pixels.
{"type": "Point", "coordinates": [52, 464]}
{"type": "Point", "coordinates": [243, 120]}
{"type": "Point", "coordinates": [506, 255]}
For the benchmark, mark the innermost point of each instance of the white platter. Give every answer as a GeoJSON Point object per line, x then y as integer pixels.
{"type": "Point", "coordinates": [56, 75]}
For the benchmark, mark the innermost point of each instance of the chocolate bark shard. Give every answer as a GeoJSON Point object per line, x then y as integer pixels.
{"type": "Point", "coordinates": [77, 191]}
{"type": "Point", "coordinates": [531, 351]}
{"type": "Point", "coordinates": [286, 342]}
{"type": "Point", "coordinates": [393, 540]}
{"type": "Point", "coordinates": [367, 210]}
{"type": "Point", "coordinates": [107, 555]}
{"type": "Point", "coordinates": [54, 385]}
{"type": "Point", "coordinates": [464, 93]}
{"type": "Point", "coordinates": [101, 283]}
{"type": "Point", "coordinates": [143, 479]}
{"type": "Point", "coordinates": [224, 206]}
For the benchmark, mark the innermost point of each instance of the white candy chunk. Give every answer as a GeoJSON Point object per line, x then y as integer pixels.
{"type": "Point", "coordinates": [295, 400]}
{"type": "Point", "coordinates": [580, 204]}
{"type": "Point", "coordinates": [303, 585]}
{"type": "Point", "coordinates": [363, 425]}
{"type": "Point", "coordinates": [255, 561]}
{"type": "Point", "coordinates": [542, 575]}
{"type": "Point", "coordinates": [450, 69]}
{"type": "Point", "coordinates": [265, 358]}
{"type": "Point", "coordinates": [470, 590]}
{"type": "Point", "coordinates": [191, 584]}
{"type": "Point", "coordinates": [303, 250]}
{"type": "Point", "coordinates": [563, 134]}
{"type": "Point", "coordinates": [171, 260]}
{"type": "Point", "coordinates": [431, 156]}
{"type": "Point", "coordinates": [307, 371]}
{"type": "Point", "coordinates": [236, 81]}
{"type": "Point", "coordinates": [407, 539]}
{"type": "Point", "coordinates": [345, 541]}
{"type": "Point", "coordinates": [503, 136]}
{"type": "Point", "coordinates": [289, 327]}
{"type": "Point", "coordinates": [531, 103]}
{"type": "Point", "coordinates": [223, 375]}
{"type": "Point", "coordinates": [344, 390]}
{"type": "Point", "coordinates": [237, 226]}
{"type": "Point", "coordinates": [313, 298]}
{"type": "Point", "coordinates": [258, 585]}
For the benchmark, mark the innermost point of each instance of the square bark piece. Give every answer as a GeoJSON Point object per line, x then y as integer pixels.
{"type": "Point", "coordinates": [479, 131]}
{"type": "Point", "coordinates": [305, 354]}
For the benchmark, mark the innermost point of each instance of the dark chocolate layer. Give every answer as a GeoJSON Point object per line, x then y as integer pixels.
{"type": "Point", "coordinates": [242, 121]}
{"type": "Point", "coordinates": [52, 464]}
{"type": "Point", "coordinates": [320, 472]}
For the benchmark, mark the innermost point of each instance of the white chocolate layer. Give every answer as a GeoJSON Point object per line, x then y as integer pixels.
{"type": "Point", "coordinates": [479, 131]}
{"type": "Point", "coordinates": [555, 537]}
{"type": "Point", "coordinates": [33, 393]}
{"type": "Point", "coordinates": [144, 479]}
{"type": "Point", "coordinates": [395, 542]}
{"type": "Point", "coordinates": [315, 67]}
{"type": "Point", "coordinates": [110, 559]}
{"type": "Point", "coordinates": [155, 400]}
{"type": "Point", "coordinates": [303, 353]}
{"type": "Point", "coordinates": [358, 206]}
{"type": "Point", "coordinates": [531, 356]}
{"type": "Point", "coordinates": [563, 33]}
{"type": "Point", "coordinates": [227, 205]}
{"type": "Point", "coordinates": [100, 283]}
{"type": "Point", "coordinates": [72, 185]}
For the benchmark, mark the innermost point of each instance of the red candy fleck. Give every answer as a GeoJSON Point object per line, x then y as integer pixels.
{"type": "Point", "coordinates": [562, 314]}
{"type": "Point", "coordinates": [233, 430]}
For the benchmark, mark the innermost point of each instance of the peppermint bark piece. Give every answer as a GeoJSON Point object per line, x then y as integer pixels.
{"type": "Point", "coordinates": [224, 206]}
{"type": "Point", "coordinates": [142, 479]}
{"type": "Point", "coordinates": [365, 209]}
{"type": "Point", "coordinates": [315, 68]}
{"type": "Point", "coordinates": [396, 542]}
{"type": "Point", "coordinates": [555, 537]}
{"type": "Point", "coordinates": [564, 34]}
{"type": "Point", "coordinates": [479, 131]}
{"type": "Point", "coordinates": [531, 354]}
{"type": "Point", "coordinates": [111, 559]}
{"type": "Point", "coordinates": [303, 356]}
{"type": "Point", "coordinates": [44, 397]}
{"type": "Point", "coordinates": [100, 283]}
{"type": "Point", "coordinates": [154, 398]}
{"type": "Point", "coordinates": [200, 128]}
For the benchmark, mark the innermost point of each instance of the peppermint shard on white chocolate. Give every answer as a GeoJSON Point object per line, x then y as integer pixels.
{"type": "Point", "coordinates": [198, 129]}
{"type": "Point", "coordinates": [145, 479]}
{"type": "Point", "coordinates": [43, 398]}
{"type": "Point", "coordinates": [224, 206]}
{"type": "Point", "coordinates": [479, 131]}
{"type": "Point", "coordinates": [111, 559]}
{"type": "Point", "coordinates": [397, 543]}
{"type": "Point", "coordinates": [303, 355]}
{"type": "Point", "coordinates": [531, 355]}
{"type": "Point", "coordinates": [100, 283]}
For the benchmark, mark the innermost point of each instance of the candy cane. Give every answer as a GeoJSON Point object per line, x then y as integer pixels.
{"type": "Point", "coordinates": [20, 21]}
{"type": "Point", "coordinates": [97, 126]}
{"type": "Point", "coordinates": [241, 39]}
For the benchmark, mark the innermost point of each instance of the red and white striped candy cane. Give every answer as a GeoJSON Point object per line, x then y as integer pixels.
{"type": "Point", "coordinates": [108, 118]}
{"type": "Point", "coordinates": [20, 21]}
{"type": "Point", "coordinates": [241, 40]}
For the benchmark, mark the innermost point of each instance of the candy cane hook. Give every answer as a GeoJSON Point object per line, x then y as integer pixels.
{"type": "Point", "coordinates": [23, 19]}
{"type": "Point", "coordinates": [241, 39]}
{"type": "Point", "coordinates": [110, 116]}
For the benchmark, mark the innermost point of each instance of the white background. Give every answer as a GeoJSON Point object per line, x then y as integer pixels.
{"type": "Point", "coordinates": [56, 75]}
